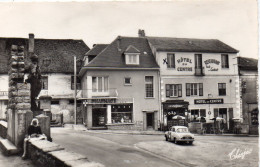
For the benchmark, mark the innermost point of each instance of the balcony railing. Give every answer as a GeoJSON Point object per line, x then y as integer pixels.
{"type": "Point", "coordinates": [199, 71]}
{"type": "Point", "coordinates": [89, 93]}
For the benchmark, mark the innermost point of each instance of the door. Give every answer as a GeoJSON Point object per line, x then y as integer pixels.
{"type": "Point", "coordinates": [150, 121]}
{"type": "Point", "coordinates": [99, 117]}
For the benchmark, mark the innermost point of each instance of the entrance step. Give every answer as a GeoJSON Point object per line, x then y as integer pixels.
{"type": "Point", "coordinates": [8, 148]}
{"type": "Point", "coordinates": [98, 128]}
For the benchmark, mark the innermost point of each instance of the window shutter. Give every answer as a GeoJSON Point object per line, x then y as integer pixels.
{"type": "Point", "coordinates": [227, 62]}
{"type": "Point", "coordinates": [168, 60]}
{"type": "Point", "coordinates": [167, 90]}
{"type": "Point", "coordinates": [202, 112]}
{"type": "Point", "coordinates": [179, 90]}
{"type": "Point", "coordinates": [201, 89]}
{"type": "Point", "coordinates": [187, 89]}
{"type": "Point", "coordinates": [215, 112]}
{"type": "Point", "coordinates": [173, 60]}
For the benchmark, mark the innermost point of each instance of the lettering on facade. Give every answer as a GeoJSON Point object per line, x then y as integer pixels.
{"type": "Point", "coordinates": [184, 62]}
{"type": "Point", "coordinates": [208, 101]}
{"type": "Point", "coordinates": [210, 63]}
{"type": "Point", "coordinates": [3, 93]}
{"type": "Point", "coordinates": [99, 101]}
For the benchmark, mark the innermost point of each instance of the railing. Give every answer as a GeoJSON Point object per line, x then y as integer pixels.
{"type": "Point", "coordinates": [88, 93]}
{"type": "Point", "coordinates": [199, 71]}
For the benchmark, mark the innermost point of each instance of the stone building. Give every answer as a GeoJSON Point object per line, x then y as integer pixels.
{"type": "Point", "coordinates": [56, 64]}
{"type": "Point", "coordinates": [120, 86]}
{"type": "Point", "coordinates": [248, 76]}
{"type": "Point", "coordinates": [198, 78]}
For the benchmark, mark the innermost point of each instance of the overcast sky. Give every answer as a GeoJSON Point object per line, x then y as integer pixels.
{"type": "Point", "coordinates": [231, 21]}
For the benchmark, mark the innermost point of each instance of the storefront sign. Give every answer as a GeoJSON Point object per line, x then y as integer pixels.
{"type": "Point", "coordinates": [208, 101]}
{"type": "Point", "coordinates": [174, 106]}
{"type": "Point", "coordinates": [184, 62]}
{"type": "Point", "coordinates": [99, 101]}
{"type": "Point", "coordinates": [211, 64]}
{"type": "Point", "coordinates": [3, 93]}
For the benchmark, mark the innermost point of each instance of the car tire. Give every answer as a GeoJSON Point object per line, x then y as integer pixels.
{"type": "Point", "coordinates": [190, 143]}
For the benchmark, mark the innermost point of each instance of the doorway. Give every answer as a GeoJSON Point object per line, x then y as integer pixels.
{"type": "Point", "coordinates": [99, 117]}
{"type": "Point", "coordinates": [150, 121]}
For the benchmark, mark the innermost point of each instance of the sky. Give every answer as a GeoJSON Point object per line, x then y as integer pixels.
{"type": "Point", "coordinates": [234, 22]}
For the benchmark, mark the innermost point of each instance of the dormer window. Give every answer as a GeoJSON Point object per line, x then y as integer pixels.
{"type": "Point", "coordinates": [132, 59]}
{"type": "Point", "coordinates": [132, 55]}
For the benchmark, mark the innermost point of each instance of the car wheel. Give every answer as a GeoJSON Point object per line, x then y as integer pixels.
{"type": "Point", "coordinates": [190, 142]}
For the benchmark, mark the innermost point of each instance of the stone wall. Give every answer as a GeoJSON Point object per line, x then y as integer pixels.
{"type": "Point", "coordinates": [49, 154]}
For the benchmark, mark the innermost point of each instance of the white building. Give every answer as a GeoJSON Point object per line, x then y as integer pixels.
{"type": "Point", "coordinates": [56, 65]}
{"type": "Point", "coordinates": [198, 77]}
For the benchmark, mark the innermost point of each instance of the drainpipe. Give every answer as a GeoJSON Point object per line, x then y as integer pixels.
{"type": "Point", "coordinates": [159, 100]}
{"type": "Point", "coordinates": [75, 90]}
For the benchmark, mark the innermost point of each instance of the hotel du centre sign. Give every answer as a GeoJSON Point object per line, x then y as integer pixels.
{"type": "Point", "coordinates": [208, 101]}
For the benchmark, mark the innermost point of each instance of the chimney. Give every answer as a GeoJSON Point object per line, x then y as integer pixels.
{"type": "Point", "coordinates": [141, 33]}
{"type": "Point", "coordinates": [118, 43]}
{"type": "Point", "coordinates": [31, 43]}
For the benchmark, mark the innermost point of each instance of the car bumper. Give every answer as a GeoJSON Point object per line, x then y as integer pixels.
{"type": "Point", "coordinates": [184, 139]}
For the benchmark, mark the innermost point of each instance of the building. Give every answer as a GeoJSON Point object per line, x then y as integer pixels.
{"type": "Point", "coordinates": [120, 86]}
{"type": "Point", "coordinates": [248, 76]}
{"type": "Point", "coordinates": [56, 64]}
{"type": "Point", "coordinates": [198, 78]}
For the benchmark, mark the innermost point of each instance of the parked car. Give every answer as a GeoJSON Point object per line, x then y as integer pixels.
{"type": "Point", "coordinates": [179, 134]}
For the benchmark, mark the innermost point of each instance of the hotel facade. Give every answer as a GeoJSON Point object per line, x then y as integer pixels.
{"type": "Point", "coordinates": [198, 78]}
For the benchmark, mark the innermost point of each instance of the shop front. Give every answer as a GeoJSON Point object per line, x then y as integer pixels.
{"type": "Point", "coordinates": [175, 113]}
{"type": "Point", "coordinates": [107, 112]}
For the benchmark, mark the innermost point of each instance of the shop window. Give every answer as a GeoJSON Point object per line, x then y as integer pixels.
{"type": "Point", "coordinates": [194, 115]}
{"type": "Point", "coordinates": [55, 102]}
{"type": "Point", "coordinates": [194, 89]}
{"type": "Point", "coordinates": [149, 86]}
{"type": "Point", "coordinates": [173, 90]}
{"type": "Point", "coordinates": [221, 89]}
{"type": "Point", "coordinates": [254, 117]}
{"type": "Point", "coordinates": [202, 112]}
{"type": "Point", "coordinates": [170, 60]}
{"type": "Point", "coordinates": [99, 84]}
{"type": "Point", "coordinates": [44, 82]}
{"type": "Point", "coordinates": [122, 113]}
{"type": "Point", "coordinates": [78, 83]}
{"type": "Point", "coordinates": [128, 81]}
{"type": "Point", "coordinates": [224, 61]}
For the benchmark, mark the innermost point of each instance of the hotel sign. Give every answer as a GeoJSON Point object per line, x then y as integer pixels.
{"type": "Point", "coordinates": [99, 101]}
{"type": "Point", "coordinates": [208, 101]}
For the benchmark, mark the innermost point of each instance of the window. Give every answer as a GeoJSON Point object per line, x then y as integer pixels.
{"type": "Point", "coordinates": [122, 113]}
{"type": "Point", "coordinates": [148, 86]}
{"type": "Point", "coordinates": [198, 61]}
{"type": "Point", "coordinates": [224, 61]}
{"type": "Point", "coordinates": [132, 59]}
{"type": "Point", "coordinates": [170, 61]}
{"type": "Point", "coordinates": [173, 90]}
{"type": "Point", "coordinates": [128, 81]}
{"type": "Point", "coordinates": [221, 89]}
{"type": "Point", "coordinates": [78, 83]}
{"type": "Point", "coordinates": [99, 84]}
{"type": "Point", "coordinates": [45, 83]}
{"type": "Point", "coordinates": [194, 89]}
{"type": "Point", "coordinates": [194, 115]}
{"type": "Point", "coordinates": [254, 117]}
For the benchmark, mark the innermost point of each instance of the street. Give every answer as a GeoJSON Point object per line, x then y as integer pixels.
{"type": "Point", "coordinates": [14, 161]}
{"type": "Point", "coordinates": [117, 150]}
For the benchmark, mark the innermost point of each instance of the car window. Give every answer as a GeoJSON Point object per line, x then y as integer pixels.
{"type": "Point", "coordinates": [173, 129]}
{"type": "Point", "coordinates": [182, 130]}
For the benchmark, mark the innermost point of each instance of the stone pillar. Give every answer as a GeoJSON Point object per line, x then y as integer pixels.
{"type": "Point", "coordinates": [44, 122]}
{"type": "Point", "coordinates": [109, 119]}
{"type": "Point", "coordinates": [19, 114]}
{"type": "Point", "coordinates": [89, 116]}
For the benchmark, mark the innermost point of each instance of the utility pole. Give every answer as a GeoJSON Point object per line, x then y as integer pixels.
{"type": "Point", "coordinates": [75, 90]}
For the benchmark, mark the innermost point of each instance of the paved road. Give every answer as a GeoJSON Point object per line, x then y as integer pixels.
{"type": "Point", "coordinates": [123, 150]}
{"type": "Point", "coordinates": [109, 149]}
{"type": "Point", "coordinates": [14, 161]}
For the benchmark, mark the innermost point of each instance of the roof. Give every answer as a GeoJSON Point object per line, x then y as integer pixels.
{"type": "Point", "coordinates": [131, 49]}
{"type": "Point", "coordinates": [245, 63]}
{"type": "Point", "coordinates": [113, 55]}
{"type": "Point", "coordinates": [96, 49]}
{"type": "Point", "coordinates": [190, 45]}
{"type": "Point", "coordinates": [55, 55]}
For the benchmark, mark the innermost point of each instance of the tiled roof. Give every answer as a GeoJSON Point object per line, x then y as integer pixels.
{"type": "Point", "coordinates": [113, 55]}
{"type": "Point", "coordinates": [245, 63]}
{"type": "Point", "coordinates": [190, 45]}
{"type": "Point", "coordinates": [96, 49]}
{"type": "Point", "coordinates": [131, 49]}
{"type": "Point", "coordinates": [55, 55]}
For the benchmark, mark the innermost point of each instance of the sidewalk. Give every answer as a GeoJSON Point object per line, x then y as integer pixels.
{"type": "Point", "coordinates": [14, 161]}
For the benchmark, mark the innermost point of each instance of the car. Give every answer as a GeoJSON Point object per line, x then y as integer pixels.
{"type": "Point", "coordinates": [179, 134]}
